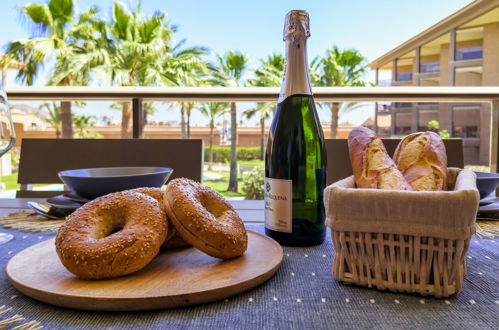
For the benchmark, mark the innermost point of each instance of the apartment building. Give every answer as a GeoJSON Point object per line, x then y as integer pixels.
{"type": "Point", "coordinates": [460, 50]}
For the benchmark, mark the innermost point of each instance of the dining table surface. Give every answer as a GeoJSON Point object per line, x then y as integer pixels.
{"type": "Point", "coordinates": [302, 294]}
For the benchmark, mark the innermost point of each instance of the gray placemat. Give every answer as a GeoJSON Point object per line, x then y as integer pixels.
{"type": "Point", "coordinates": [302, 295]}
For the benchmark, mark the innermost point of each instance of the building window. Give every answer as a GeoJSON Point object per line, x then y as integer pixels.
{"type": "Point", "coordinates": [466, 122]}
{"type": "Point", "coordinates": [429, 67]}
{"type": "Point", "coordinates": [403, 130]}
{"type": "Point", "coordinates": [403, 105]}
{"type": "Point", "coordinates": [469, 53]}
{"type": "Point", "coordinates": [404, 76]}
{"type": "Point", "coordinates": [466, 131]}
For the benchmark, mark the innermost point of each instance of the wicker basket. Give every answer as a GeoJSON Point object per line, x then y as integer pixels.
{"type": "Point", "coordinates": [403, 241]}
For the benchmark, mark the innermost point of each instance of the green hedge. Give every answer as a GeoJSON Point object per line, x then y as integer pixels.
{"type": "Point", "coordinates": [222, 154]}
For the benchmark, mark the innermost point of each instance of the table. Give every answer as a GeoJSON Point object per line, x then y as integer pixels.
{"type": "Point", "coordinates": [302, 294]}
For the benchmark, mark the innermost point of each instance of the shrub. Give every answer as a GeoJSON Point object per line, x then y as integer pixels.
{"type": "Point", "coordinates": [253, 183]}
{"type": "Point", "coordinates": [222, 154]}
{"type": "Point", "coordinates": [248, 153]}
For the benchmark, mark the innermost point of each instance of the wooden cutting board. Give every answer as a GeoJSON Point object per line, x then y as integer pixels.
{"type": "Point", "coordinates": [174, 278]}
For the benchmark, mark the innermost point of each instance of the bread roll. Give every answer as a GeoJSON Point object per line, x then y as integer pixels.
{"type": "Point", "coordinates": [371, 165]}
{"type": "Point", "coordinates": [422, 159]}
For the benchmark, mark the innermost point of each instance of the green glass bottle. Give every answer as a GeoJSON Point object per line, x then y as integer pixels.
{"type": "Point", "coordinates": [295, 158]}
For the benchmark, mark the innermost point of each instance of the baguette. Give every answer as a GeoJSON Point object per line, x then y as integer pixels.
{"type": "Point", "coordinates": [422, 159]}
{"type": "Point", "coordinates": [372, 166]}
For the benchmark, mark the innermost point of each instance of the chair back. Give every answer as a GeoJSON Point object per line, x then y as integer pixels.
{"type": "Point", "coordinates": [338, 159]}
{"type": "Point", "coordinates": [42, 159]}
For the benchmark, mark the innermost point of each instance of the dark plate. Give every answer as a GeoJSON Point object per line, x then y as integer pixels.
{"type": "Point", "coordinates": [490, 208]}
{"type": "Point", "coordinates": [486, 183]}
{"type": "Point", "coordinates": [488, 200]}
{"type": "Point", "coordinates": [90, 183]}
{"type": "Point", "coordinates": [62, 202]}
{"type": "Point", "coordinates": [75, 198]}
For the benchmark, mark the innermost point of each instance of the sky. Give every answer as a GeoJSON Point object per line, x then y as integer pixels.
{"type": "Point", "coordinates": [255, 27]}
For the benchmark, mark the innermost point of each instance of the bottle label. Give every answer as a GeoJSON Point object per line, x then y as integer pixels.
{"type": "Point", "coordinates": [278, 197]}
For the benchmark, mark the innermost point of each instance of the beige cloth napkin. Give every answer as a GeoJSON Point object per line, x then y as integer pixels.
{"type": "Point", "coordinates": [444, 214]}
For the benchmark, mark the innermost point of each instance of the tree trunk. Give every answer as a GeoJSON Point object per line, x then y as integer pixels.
{"type": "Point", "coordinates": [66, 116]}
{"type": "Point", "coordinates": [335, 109]}
{"type": "Point", "coordinates": [126, 120]}
{"type": "Point", "coordinates": [233, 148]}
{"type": "Point", "coordinates": [212, 127]}
{"type": "Point", "coordinates": [188, 122]}
{"type": "Point", "coordinates": [183, 134]}
{"type": "Point", "coordinates": [144, 120]}
{"type": "Point", "coordinates": [66, 120]}
{"type": "Point", "coordinates": [262, 137]}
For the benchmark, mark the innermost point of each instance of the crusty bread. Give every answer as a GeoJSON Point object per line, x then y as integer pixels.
{"type": "Point", "coordinates": [372, 166]}
{"type": "Point", "coordinates": [422, 159]}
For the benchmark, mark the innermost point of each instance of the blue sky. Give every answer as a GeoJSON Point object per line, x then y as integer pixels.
{"type": "Point", "coordinates": [255, 27]}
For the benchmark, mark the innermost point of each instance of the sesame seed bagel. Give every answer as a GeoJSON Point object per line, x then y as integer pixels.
{"type": "Point", "coordinates": [173, 240]}
{"type": "Point", "coordinates": [205, 219]}
{"type": "Point", "coordinates": [111, 236]}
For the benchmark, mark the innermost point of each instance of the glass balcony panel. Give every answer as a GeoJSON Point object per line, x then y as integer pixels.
{"type": "Point", "coordinates": [429, 67]}
{"type": "Point", "coordinates": [404, 76]}
{"type": "Point", "coordinates": [469, 121]}
{"type": "Point", "coordinates": [469, 53]}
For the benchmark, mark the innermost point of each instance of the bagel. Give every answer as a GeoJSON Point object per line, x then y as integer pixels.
{"type": "Point", "coordinates": [112, 236]}
{"type": "Point", "coordinates": [173, 239]}
{"type": "Point", "coordinates": [205, 219]}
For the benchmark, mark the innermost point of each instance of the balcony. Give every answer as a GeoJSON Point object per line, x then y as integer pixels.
{"type": "Point", "coordinates": [404, 76]}
{"type": "Point", "coordinates": [469, 53]}
{"type": "Point", "coordinates": [429, 67]}
{"type": "Point", "coordinates": [137, 95]}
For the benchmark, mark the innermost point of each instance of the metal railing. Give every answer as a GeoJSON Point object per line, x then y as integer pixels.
{"type": "Point", "coordinates": [137, 95]}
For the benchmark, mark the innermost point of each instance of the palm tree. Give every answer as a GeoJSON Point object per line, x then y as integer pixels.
{"type": "Point", "coordinates": [185, 68]}
{"type": "Point", "coordinates": [134, 50]}
{"type": "Point", "coordinates": [212, 110]}
{"type": "Point", "coordinates": [127, 51]}
{"type": "Point", "coordinates": [53, 116]}
{"type": "Point", "coordinates": [338, 68]}
{"type": "Point", "coordinates": [83, 123]}
{"type": "Point", "coordinates": [7, 63]}
{"type": "Point", "coordinates": [148, 109]}
{"type": "Point", "coordinates": [54, 37]}
{"type": "Point", "coordinates": [267, 75]}
{"type": "Point", "coordinates": [228, 71]}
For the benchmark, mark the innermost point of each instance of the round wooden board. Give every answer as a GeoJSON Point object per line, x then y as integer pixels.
{"type": "Point", "coordinates": [174, 278]}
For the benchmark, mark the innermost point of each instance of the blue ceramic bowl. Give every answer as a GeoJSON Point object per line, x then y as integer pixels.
{"type": "Point", "coordinates": [94, 182]}
{"type": "Point", "coordinates": [486, 183]}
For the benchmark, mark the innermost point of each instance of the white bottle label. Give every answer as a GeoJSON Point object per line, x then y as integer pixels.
{"type": "Point", "coordinates": [278, 197]}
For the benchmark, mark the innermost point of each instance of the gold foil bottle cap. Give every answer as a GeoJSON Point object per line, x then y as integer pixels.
{"type": "Point", "coordinates": [296, 25]}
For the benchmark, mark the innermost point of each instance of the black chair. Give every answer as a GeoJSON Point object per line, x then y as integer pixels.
{"type": "Point", "coordinates": [338, 160]}
{"type": "Point", "coordinates": [42, 159]}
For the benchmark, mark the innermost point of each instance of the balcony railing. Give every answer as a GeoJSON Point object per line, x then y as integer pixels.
{"type": "Point", "coordinates": [137, 95]}
{"type": "Point", "coordinates": [404, 76]}
{"type": "Point", "coordinates": [429, 67]}
{"type": "Point", "coordinates": [469, 53]}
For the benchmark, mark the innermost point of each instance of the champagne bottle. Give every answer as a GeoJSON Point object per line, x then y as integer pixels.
{"type": "Point", "coordinates": [295, 158]}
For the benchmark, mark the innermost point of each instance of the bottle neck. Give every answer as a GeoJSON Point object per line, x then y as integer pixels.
{"type": "Point", "coordinates": [296, 80]}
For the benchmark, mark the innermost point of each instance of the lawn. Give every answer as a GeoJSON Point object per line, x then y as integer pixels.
{"type": "Point", "coordinates": [219, 186]}
{"type": "Point", "coordinates": [10, 181]}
